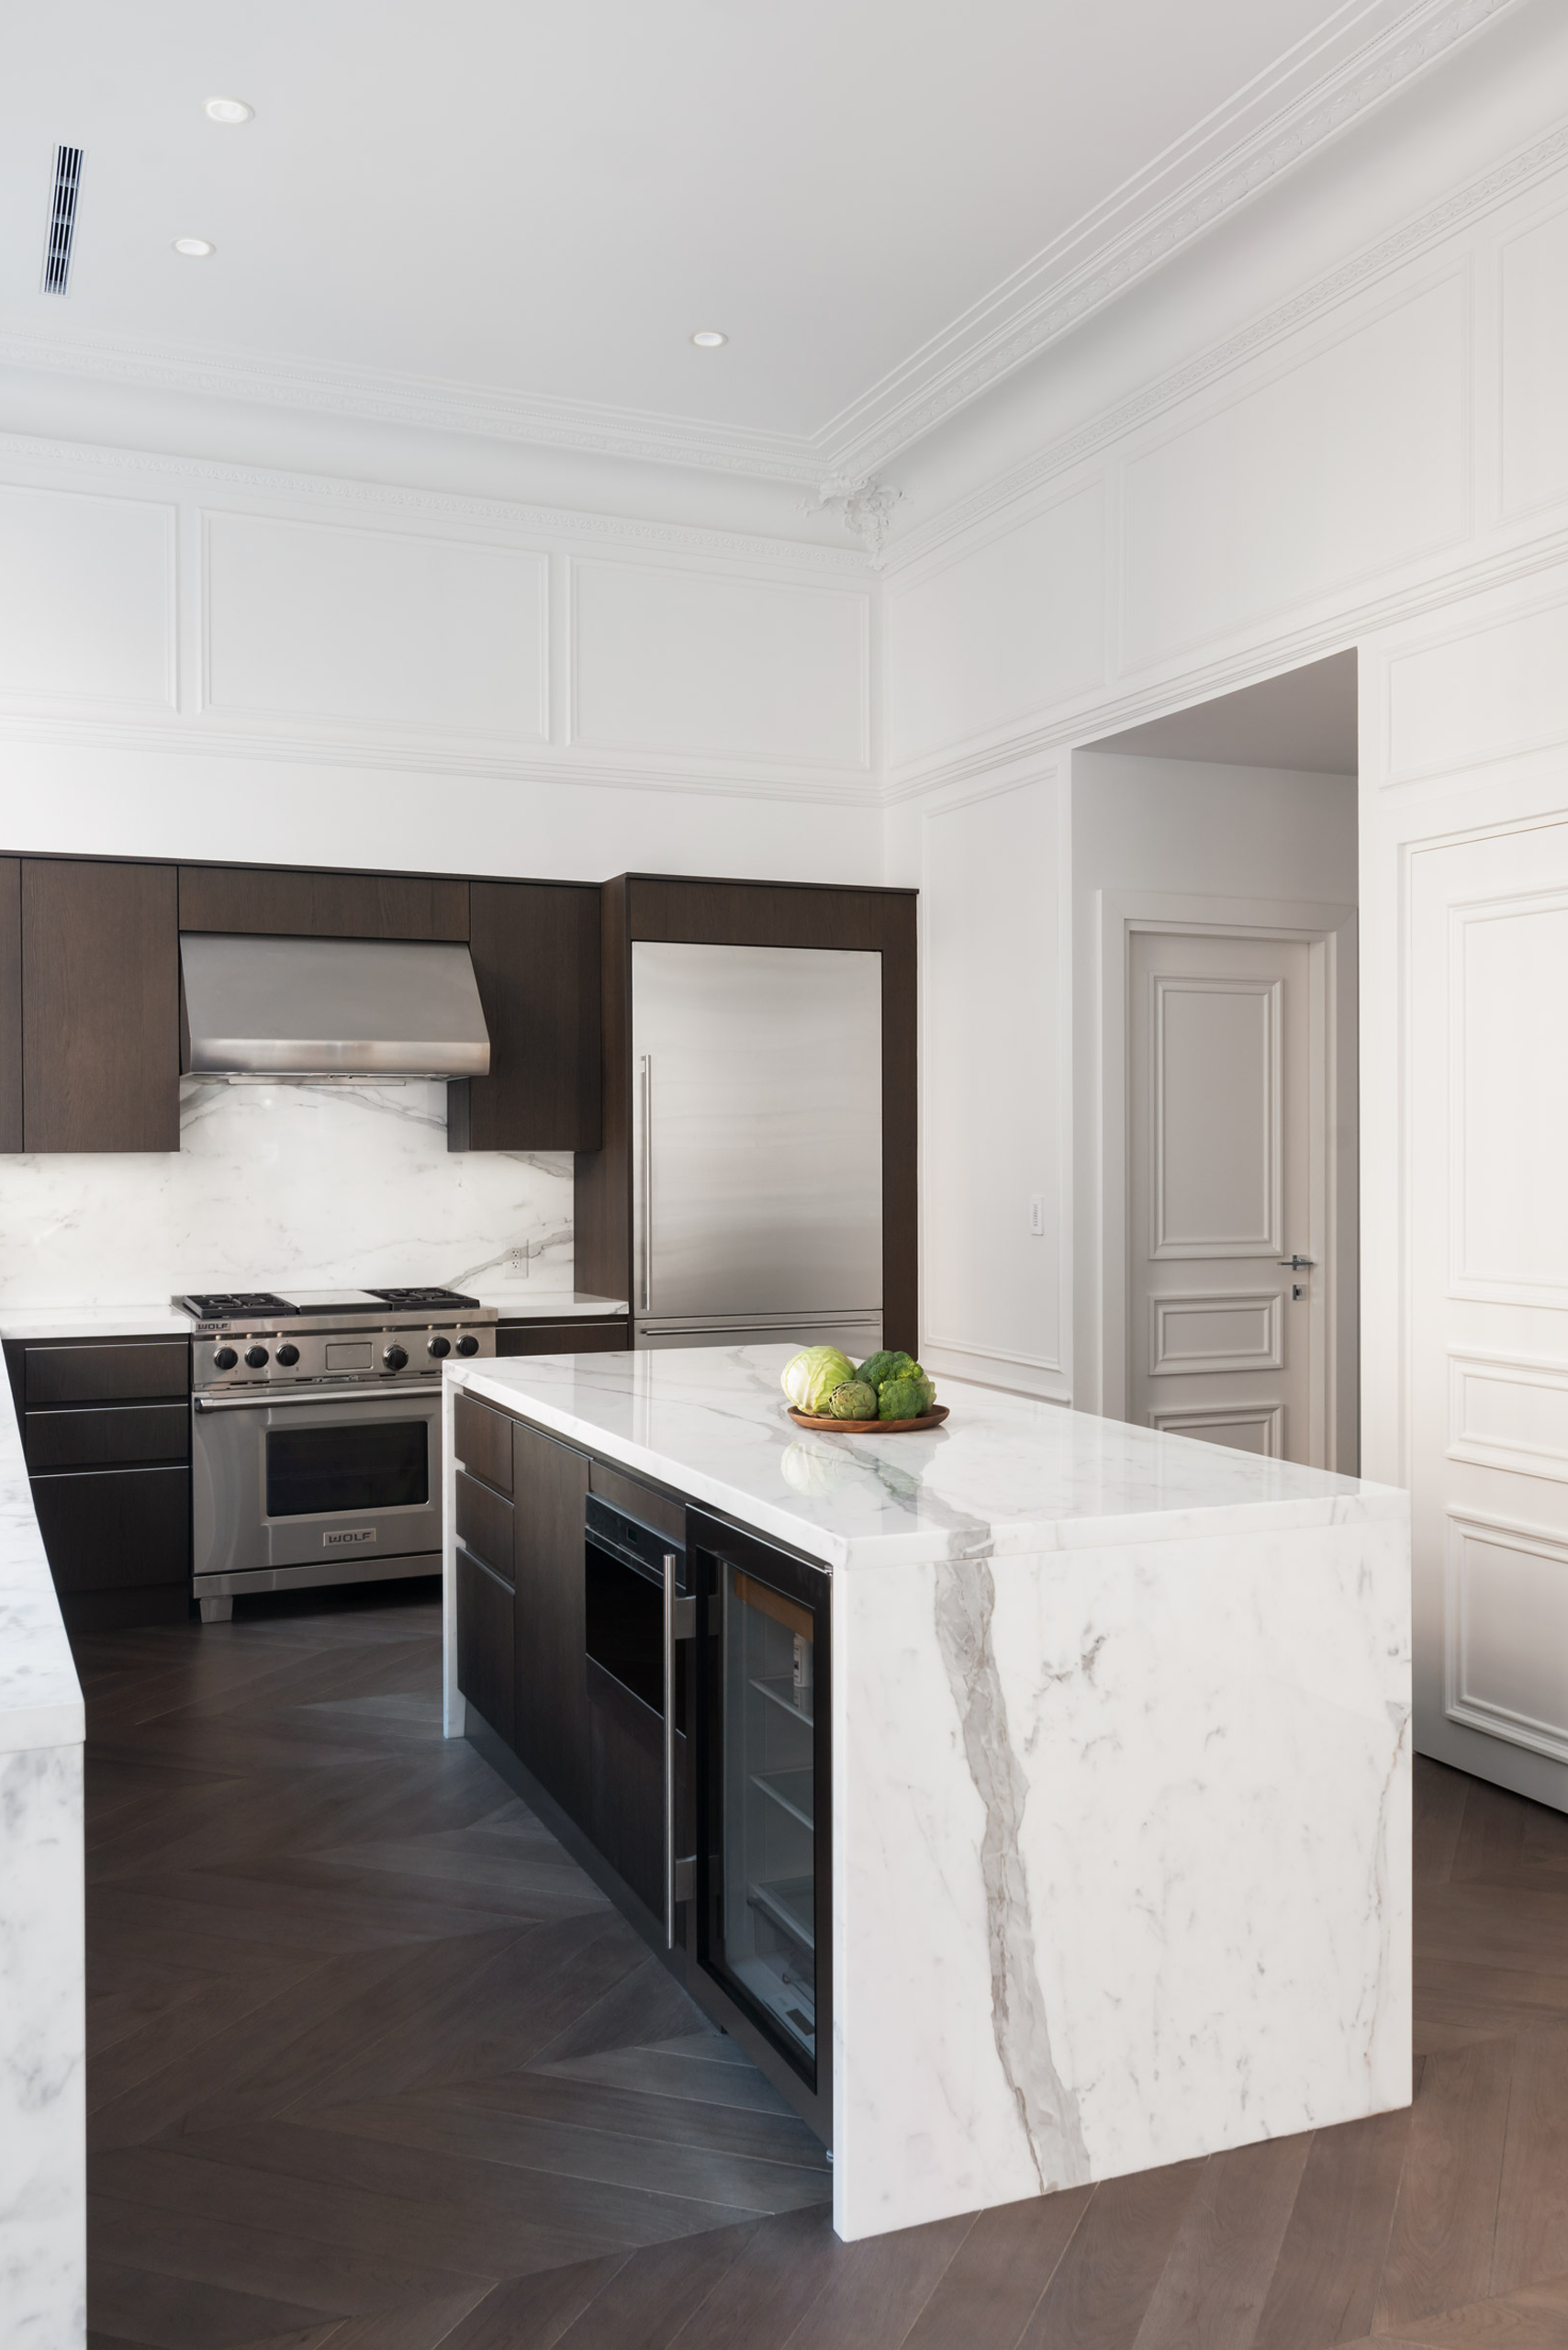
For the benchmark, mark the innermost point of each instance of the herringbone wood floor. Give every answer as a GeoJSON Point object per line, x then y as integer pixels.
{"type": "Point", "coordinates": [374, 2066]}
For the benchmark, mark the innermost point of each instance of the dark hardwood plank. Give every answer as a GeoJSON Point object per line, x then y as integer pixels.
{"type": "Point", "coordinates": [100, 1006]}
{"type": "Point", "coordinates": [645, 2304]}
{"type": "Point", "coordinates": [762, 2296]}
{"type": "Point", "coordinates": [878, 2290]}
{"type": "Point", "coordinates": [1440, 2251]}
{"type": "Point", "coordinates": [1438, 1810]}
{"type": "Point", "coordinates": [1490, 1845]}
{"type": "Point", "coordinates": [994, 2283]}
{"type": "Point", "coordinates": [533, 2312]}
{"type": "Point", "coordinates": [1531, 2240]}
{"type": "Point", "coordinates": [1097, 2297]}
{"type": "Point", "coordinates": [1211, 2289]}
{"type": "Point", "coordinates": [178, 2313]}
{"type": "Point", "coordinates": [1325, 2281]}
{"type": "Point", "coordinates": [322, 905]}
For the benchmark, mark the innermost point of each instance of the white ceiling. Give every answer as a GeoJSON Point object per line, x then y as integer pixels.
{"type": "Point", "coordinates": [1305, 720]}
{"type": "Point", "coordinates": [511, 216]}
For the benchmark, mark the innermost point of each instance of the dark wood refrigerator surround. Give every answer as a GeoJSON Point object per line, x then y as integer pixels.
{"type": "Point", "coordinates": [639, 906]}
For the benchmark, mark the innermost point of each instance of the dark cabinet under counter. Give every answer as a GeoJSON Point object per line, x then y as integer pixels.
{"type": "Point", "coordinates": [105, 1431]}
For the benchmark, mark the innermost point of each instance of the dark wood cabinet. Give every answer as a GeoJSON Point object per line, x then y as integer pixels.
{"type": "Point", "coordinates": [100, 1006]}
{"type": "Point", "coordinates": [105, 1426]}
{"type": "Point", "coordinates": [322, 905]}
{"type": "Point", "coordinates": [487, 1645]}
{"type": "Point", "coordinates": [550, 1487]}
{"type": "Point", "coordinates": [535, 950]}
{"type": "Point", "coordinates": [640, 906]}
{"type": "Point", "coordinates": [486, 1526]}
{"type": "Point", "coordinates": [482, 1440]}
{"type": "Point", "coordinates": [562, 1337]}
{"type": "Point", "coordinates": [10, 1003]}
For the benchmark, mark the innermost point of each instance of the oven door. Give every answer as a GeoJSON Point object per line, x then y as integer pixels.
{"type": "Point", "coordinates": [297, 1486]}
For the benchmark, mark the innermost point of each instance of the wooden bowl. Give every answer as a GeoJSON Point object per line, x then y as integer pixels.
{"type": "Point", "coordinates": [931, 1419]}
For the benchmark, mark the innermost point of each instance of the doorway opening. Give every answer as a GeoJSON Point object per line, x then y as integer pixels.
{"type": "Point", "coordinates": [1215, 881]}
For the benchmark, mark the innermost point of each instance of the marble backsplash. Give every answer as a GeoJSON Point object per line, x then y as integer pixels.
{"type": "Point", "coordinates": [273, 1184]}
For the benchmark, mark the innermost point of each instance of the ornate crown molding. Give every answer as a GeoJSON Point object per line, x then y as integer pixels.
{"type": "Point", "coordinates": [1368, 52]}
{"type": "Point", "coordinates": [865, 508]}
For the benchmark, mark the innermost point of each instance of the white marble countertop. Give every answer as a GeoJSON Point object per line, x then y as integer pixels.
{"type": "Point", "coordinates": [40, 1697]}
{"type": "Point", "coordinates": [526, 1303]}
{"type": "Point", "coordinates": [1005, 1476]}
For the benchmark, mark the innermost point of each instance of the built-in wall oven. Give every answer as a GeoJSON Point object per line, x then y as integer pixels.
{"type": "Point", "coordinates": [316, 1440]}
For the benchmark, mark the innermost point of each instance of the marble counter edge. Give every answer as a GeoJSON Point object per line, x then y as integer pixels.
{"type": "Point", "coordinates": [1021, 1538]}
{"type": "Point", "coordinates": [40, 1696]}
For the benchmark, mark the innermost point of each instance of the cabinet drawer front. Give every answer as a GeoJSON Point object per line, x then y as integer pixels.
{"type": "Point", "coordinates": [640, 1501]}
{"type": "Point", "coordinates": [485, 1670]}
{"type": "Point", "coordinates": [562, 1337]}
{"type": "Point", "coordinates": [133, 1369]}
{"type": "Point", "coordinates": [97, 1435]}
{"type": "Point", "coordinates": [483, 1440]}
{"type": "Point", "coordinates": [105, 1528]}
{"type": "Point", "coordinates": [484, 1525]}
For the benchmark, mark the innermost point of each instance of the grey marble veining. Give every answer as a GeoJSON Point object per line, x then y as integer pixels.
{"type": "Point", "coordinates": [313, 1184]}
{"type": "Point", "coordinates": [1121, 1771]}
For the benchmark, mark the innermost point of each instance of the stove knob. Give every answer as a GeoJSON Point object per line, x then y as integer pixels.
{"type": "Point", "coordinates": [395, 1358]}
{"type": "Point", "coordinates": [467, 1346]}
{"type": "Point", "coordinates": [439, 1346]}
{"type": "Point", "coordinates": [225, 1359]}
{"type": "Point", "coordinates": [288, 1354]}
{"type": "Point", "coordinates": [256, 1356]}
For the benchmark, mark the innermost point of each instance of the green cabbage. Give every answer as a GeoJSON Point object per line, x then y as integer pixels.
{"type": "Point", "coordinates": [811, 1377]}
{"type": "Point", "coordinates": [856, 1400]}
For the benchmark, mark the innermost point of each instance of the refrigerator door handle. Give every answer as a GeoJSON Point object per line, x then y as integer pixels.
{"type": "Point", "coordinates": [645, 1079]}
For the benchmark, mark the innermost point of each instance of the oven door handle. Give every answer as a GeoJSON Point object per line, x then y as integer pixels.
{"type": "Point", "coordinates": [269, 1398]}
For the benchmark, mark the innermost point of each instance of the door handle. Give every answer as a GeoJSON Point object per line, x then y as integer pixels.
{"type": "Point", "coordinates": [1296, 1264]}
{"type": "Point", "coordinates": [680, 1624]}
{"type": "Point", "coordinates": [646, 1075]}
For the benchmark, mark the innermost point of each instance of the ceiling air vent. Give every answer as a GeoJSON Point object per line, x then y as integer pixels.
{"type": "Point", "coordinates": [62, 220]}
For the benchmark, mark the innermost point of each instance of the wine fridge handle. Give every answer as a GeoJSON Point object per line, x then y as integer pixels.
{"type": "Point", "coordinates": [669, 1568]}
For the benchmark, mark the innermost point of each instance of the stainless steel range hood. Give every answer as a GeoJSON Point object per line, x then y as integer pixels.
{"type": "Point", "coordinates": [333, 1008]}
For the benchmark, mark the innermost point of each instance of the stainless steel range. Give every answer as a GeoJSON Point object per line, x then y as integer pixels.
{"type": "Point", "coordinates": [315, 1435]}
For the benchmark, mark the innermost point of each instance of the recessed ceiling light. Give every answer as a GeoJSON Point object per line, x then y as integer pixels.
{"type": "Point", "coordinates": [193, 248]}
{"type": "Point", "coordinates": [229, 110]}
{"type": "Point", "coordinates": [708, 338]}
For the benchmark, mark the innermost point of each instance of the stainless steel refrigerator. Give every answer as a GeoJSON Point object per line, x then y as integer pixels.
{"type": "Point", "coordinates": [757, 1146]}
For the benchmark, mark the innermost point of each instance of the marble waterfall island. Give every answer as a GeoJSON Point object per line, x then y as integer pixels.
{"type": "Point", "coordinates": [1120, 1770]}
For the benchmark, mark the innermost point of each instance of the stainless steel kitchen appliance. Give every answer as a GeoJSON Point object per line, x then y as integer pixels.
{"type": "Point", "coordinates": [757, 1146]}
{"type": "Point", "coordinates": [316, 1436]}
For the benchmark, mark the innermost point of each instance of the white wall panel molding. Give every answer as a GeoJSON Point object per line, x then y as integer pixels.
{"type": "Point", "coordinates": [1344, 461]}
{"type": "Point", "coordinates": [1232, 1425]}
{"type": "Point", "coordinates": [1531, 370]}
{"type": "Point", "coordinates": [1507, 1630]}
{"type": "Point", "coordinates": [1477, 691]}
{"type": "Point", "coordinates": [995, 1012]}
{"type": "Point", "coordinates": [719, 665]}
{"type": "Point", "coordinates": [63, 464]}
{"type": "Point", "coordinates": [89, 599]}
{"type": "Point", "coordinates": [1457, 213]}
{"type": "Point", "coordinates": [1509, 1412]}
{"type": "Point", "coordinates": [1010, 621]}
{"type": "Point", "coordinates": [1208, 1330]}
{"type": "Point", "coordinates": [347, 748]}
{"type": "Point", "coordinates": [321, 624]}
{"type": "Point", "coordinates": [1200, 1026]}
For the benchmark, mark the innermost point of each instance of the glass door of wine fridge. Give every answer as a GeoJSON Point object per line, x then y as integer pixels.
{"type": "Point", "coordinates": [764, 1826]}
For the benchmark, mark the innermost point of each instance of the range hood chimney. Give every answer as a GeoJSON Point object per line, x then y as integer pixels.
{"type": "Point", "coordinates": [329, 1008]}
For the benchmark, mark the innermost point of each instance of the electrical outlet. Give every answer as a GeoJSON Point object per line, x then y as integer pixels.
{"type": "Point", "coordinates": [517, 1264]}
{"type": "Point", "coordinates": [1037, 1215]}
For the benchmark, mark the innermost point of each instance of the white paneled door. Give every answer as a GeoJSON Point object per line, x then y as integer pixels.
{"type": "Point", "coordinates": [1224, 1340]}
{"type": "Point", "coordinates": [1488, 1287]}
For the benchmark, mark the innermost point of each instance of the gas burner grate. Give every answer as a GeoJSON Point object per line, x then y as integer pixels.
{"type": "Point", "coordinates": [423, 1297]}
{"type": "Point", "coordinates": [221, 1305]}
